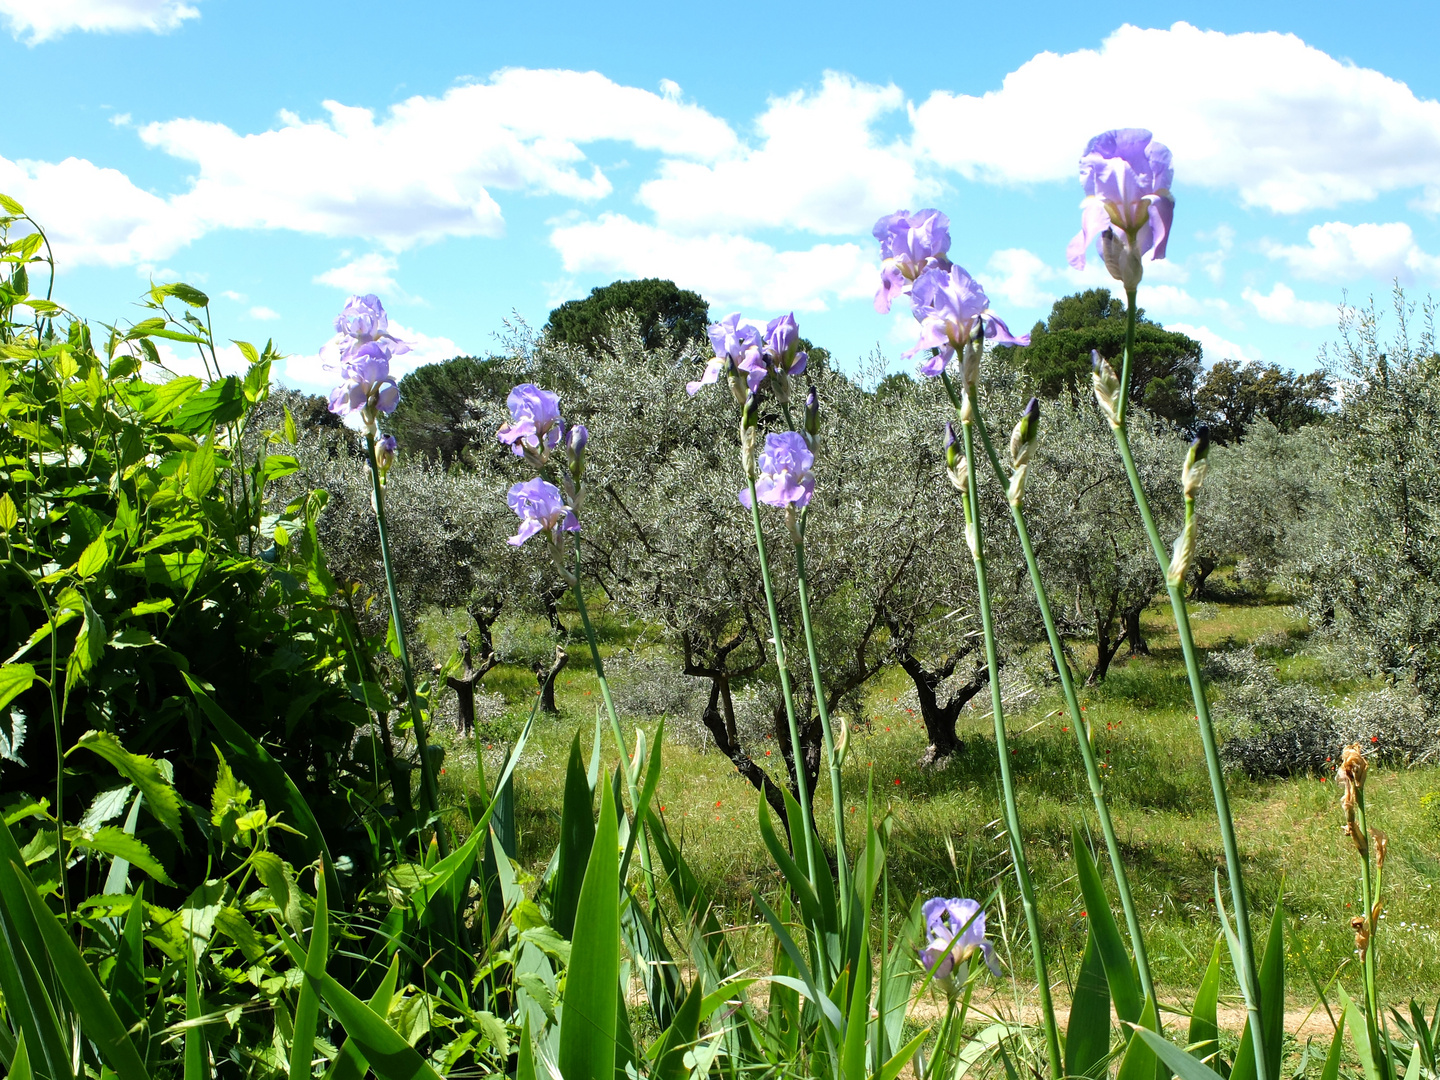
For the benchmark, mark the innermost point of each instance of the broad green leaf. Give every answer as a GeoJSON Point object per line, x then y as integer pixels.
{"type": "Point", "coordinates": [202, 471]}
{"type": "Point", "coordinates": [577, 837]}
{"type": "Point", "coordinates": [93, 558]}
{"type": "Point", "coordinates": [390, 1057]}
{"type": "Point", "coordinates": [141, 771]}
{"type": "Point", "coordinates": [1204, 1037]}
{"type": "Point", "coordinates": [1108, 943]}
{"type": "Point", "coordinates": [199, 912]}
{"type": "Point", "coordinates": [1359, 1036]}
{"type": "Point", "coordinates": [1185, 1066]}
{"type": "Point", "coordinates": [284, 890]}
{"type": "Point", "coordinates": [15, 679]}
{"type": "Point", "coordinates": [592, 983]}
{"type": "Point", "coordinates": [1140, 1059]}
{"type": "Point", "coordinates": [11, 206]}
{"type": "Point", "coordinates": [1272, 1005]}
{"type": "Point", "coordinates": [188, 293]}
{"type": "Point", "coordinates": [118, 843]}
{"type": "Point", "coordinates": [97, 1016]}
{"type": "Point", "coordinates": [350, 1063]}
{"type": "Point", "coordinates": [194, 1036]}
{"type": "Point", "coordinates": [1087, 1038]}
{"type": "Point", "coordinates": [217, 404]}
{"type": "Point", "coordinates": [20, 1062]}
{"type": "Point", "coordinates": [307, 1009]}
{"type": "Point", "coordinates": [292, 433]}
{"type": "Point", "coordinates": [8, 516]}
{"type": "Point", "coordinates": [169, 396]}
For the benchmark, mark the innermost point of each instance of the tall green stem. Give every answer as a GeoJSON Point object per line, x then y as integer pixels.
{"type": "Point", "coordinates": [1250, 982]}
{"type": "Point", "coordinates": [1368, 897]}
{"type": "Point", "coordinates": [427, 769]}
{"type": "Point", "coordinates": [797, 750]}
{"type": "Point", "coordinates": [1077, 721]}
{"type": "Point", "coordinates": [836, 790]}
{"type": "Point", "coordinates": [1002, 748]}
{"type": "Point", "coordinates": [629, 770]}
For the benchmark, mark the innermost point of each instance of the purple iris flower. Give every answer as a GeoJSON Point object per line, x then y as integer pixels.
{"type": "Point", "coordinates": [782, 340]}
{"type": "Point", "coordinates": [785, 478]}
{"type": "Point", "coordinates": [363, 320]}
{"type": "Point", "coordinates": [540, 507]}
{"type": "Point", "coordinates": [366, 381]}
{"type": "Point", "coordinates": [953, 309]}
{"type": "Point", "coordinates": [910, 244]}
{"type": "Point", "coordinates": [737, 346]}
{"type": "Point", "coordinates": [385, 448]}
{"type": "Point", "coordinates": [1128, 206]}
{"type": "Point", "coordinates": [534, 420]}
{"type": "Point", "coordinates": [954, 932]}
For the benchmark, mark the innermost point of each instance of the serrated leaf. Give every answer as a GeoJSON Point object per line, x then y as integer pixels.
{"type": "Point", "coordinates": [8, 516]}
{"type": "Point", "coordinates": [11, 206]}
{"type": "Point", "coordinates": [15, 679]}
{"type": "Point", "coordinates": [169, 396]}
{"type": "Point", "coordinates": [187, 293]}
{"type": "Point", "coordinates": [118, 843]}
{"type": "Point", "coordinates": [292, 433]}
{"type": "Point", "coordinates": [217, 404]}
{"type": "Point", "coordinates": [143, 772]}
{"type": "Point", "coordinates": [93, 558]}
{"type": "Point", "coordinates": [202, 472]}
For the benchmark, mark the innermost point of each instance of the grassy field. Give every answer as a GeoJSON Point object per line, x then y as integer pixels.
{"type": "Point", "coordinates": [949, 839]}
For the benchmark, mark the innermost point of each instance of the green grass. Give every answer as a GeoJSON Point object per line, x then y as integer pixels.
{"type": "Point", "coordinates": [949, 839]}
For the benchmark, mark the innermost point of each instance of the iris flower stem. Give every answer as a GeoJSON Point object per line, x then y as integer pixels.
{"type": "Point", "coordinates": [797, 751]}
{"type": "Point", "coordinates": [1368, 897]}
{"type": "Point", "coordinates": [1250, 981]}
{"type": "Point", "coordinates": [632, 767]}
{"type": "Point", "coordinates": [837, 795]}
{"type": "Point", "coordinates": [1077, 721]}
{"type": "Point", "coordinates": [1002, 748]}
{"type": "Point", "coordinates": [428, 783]}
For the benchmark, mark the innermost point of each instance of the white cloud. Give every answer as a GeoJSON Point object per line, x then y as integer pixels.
{"type": "Point", "coordinates": [51, 18]}
{"type": "Point", "coordinates": [728, 270]}
{"type": "Point", "coordinates": [231, 294]}
{"type": "Point", "coordinates": [820, 167]}
{"type": "Point", "coordinates": [318, 372]}
{"type": "Point", "coordinates": [1171, 300]}
{"type": "Point", "coordinates": [1289, 127]}
{"type": "Point", "coordinates": [521, 131]}
{"type": "Point", "coordinates": [119, 119]}
{"type": "Point", "coordinates": [1016, 276]}
{"type": "Point", "coordinates": [263, 314]}
{"type": "Point", "coordinates": [1341, 252]}
{"type": "Point", "coordinates": [94, 214]}
{"type": "Point", "coordinates": [1213, 262]}
{"type": "Point", "coordinates": [1282, 306]}
{"type": "Point", "coordinates": [370, 273]}
{"type": "Point", "coordinates": [1215, 346]}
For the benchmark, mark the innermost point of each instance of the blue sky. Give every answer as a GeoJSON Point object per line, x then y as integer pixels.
{"type": "Point", "coordinates": [467, 161]}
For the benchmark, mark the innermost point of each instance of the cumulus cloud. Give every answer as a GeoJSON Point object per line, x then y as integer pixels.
{"type": "Point", "coordinates": [1341, 252]}
{"type": "Point", "coordinates": [1281, 305]}
{"type": "Point", "coordinates": [52, 18]}
{"type": "Point", "coordinates": [819, 167]}
{"type": "Point", "coordinates": [729, 270]}
{"type": "Point", "coordinates": [318, 372]}
{"type": "Point", "coordinates": [370, 273]}
{"type": "Point", "coordinates": [1215, 346]}
{"type": "Point", "coordinates": [1019, 277]}
{"type": "Point", "coordinates": [523, 131]}
{"type": "Point", "coordinates": [1287, 126]}
{"type": "Point", "coordinates": [261, 313]}
{"type": "Point", "coordinates": [94, 214]}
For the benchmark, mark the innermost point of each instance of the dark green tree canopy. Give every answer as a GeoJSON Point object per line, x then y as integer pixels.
{"type": "Point", "coordinates": [660, 306]}
{"type": "Point", "coordinates": [1234, 395]}
{"type": "Point", "coordinates": [435, 404]}
{"type": "Point", "coordinates": [1166, 365]}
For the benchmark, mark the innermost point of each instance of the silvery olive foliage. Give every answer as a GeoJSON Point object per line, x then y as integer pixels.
{"type": "Point", "coordinates": [1275, 727]}
{"type": "Point", "coordinates": [1367, 569]}
{"type": "Point", "coordinates": [1088, 537]}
